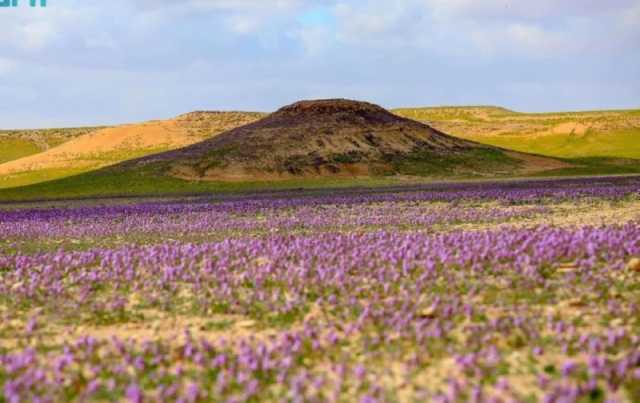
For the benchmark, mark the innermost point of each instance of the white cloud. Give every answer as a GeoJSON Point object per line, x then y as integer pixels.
{"type": "Point", "coordinates": [36, 30]}
{"type": "Point", "coordinates": [631, 17]}
{"type": "Point", "coordinates": [257, 54]}
{"type": "Point", "coordinates": [233, 5]}
{"type": "Point", "coordinates": [244, 24]}
{"type": "Point", "coordinates": [36, 35]}
{"type": "Point", "coordinates": [315, 39]}
{"type": "Point", "coordinates": [101, 40]}
{"type": "Point", "coordinates": [7, 66]}
{"type": "Point", "coordinates": [239, 16]}
{"type": "Point", "coordinates": [495, 28]}
{"type": "Point", "coordinates": [528, 40]}
{"type": "Point", "coordinates": [380, 23]}
{"type": "Point", "coordinates": [524, 9]}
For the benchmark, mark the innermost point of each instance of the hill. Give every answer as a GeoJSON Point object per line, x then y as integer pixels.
{"type": "Point", "coordinates": [91, 150]}
{"type": "Point", "coordinates": [337, 137]}
{"type": "Point", "coordinates": [612, 134]}
{"type": "Point", "coordinates": [16, 144]}
{"type": "Point", "coordinates": [318, 144]}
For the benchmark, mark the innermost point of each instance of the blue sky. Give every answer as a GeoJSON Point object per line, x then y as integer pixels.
{"type": "Point", "coordinates": [99, 62]}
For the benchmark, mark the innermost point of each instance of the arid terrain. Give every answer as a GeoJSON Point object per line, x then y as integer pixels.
{"type": "Point", "coordinates": [596, 142]}
{"type": "Point", "coordinates": [82, 150]}
{"type": "Point", "coordinates": [15, 144]}
{"type": "Point", "coordinates": [337, 137]}
{"type": "Point", "coordinates": [569, 134]}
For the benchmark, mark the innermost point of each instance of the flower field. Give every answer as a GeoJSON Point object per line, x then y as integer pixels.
{"type": "Point", "coordinates": [518, 291]}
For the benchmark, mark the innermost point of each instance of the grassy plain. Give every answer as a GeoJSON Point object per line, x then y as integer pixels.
{"type": "Point", "coordinates": [614, 134]}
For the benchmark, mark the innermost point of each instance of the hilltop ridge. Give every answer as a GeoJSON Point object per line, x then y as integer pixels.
{"type": "Point", "coordinates": [92, 149]}
{"type": "Point", "coordinates": [333, 137]}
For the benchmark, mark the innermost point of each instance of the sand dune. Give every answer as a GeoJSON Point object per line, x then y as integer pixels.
{"type": "Point", "coordinates": [112, 145]}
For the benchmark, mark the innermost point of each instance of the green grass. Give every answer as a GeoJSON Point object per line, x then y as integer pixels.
{"type": "Point", "coordinates": [113, 182]}
{"type": "Point", "coordinates": [347, 158]}
{"type": "Point", "coordinates": [14, 148]}
{"type": "Point", "coordinates": [37, 176]}
{"type": "Point", "coordinates": [16, 144]}
{"type": "Point", "coordinates": [589, 166]}
{"type": "Point", "coordinates": [98, 160]}
{"type": "Point", "coordinates": [470, 163]}
{"type": "Point", "coordinates": [108, 183]}
{"type": "Point", "coordinates": [610, 133]}
{"type": "Point", "coordinates": [464, 113]}
{"type": "Point", "coordinates": [496, 113]}
{"type": "Point", "coordinates": [619, 144]}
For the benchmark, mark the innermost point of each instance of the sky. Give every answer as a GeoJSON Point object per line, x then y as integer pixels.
{"type": "Point", "coordinates": [89, 62]}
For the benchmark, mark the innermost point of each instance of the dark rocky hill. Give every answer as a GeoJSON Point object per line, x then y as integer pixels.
{"type": "Point", "coordinates": [337, 137]}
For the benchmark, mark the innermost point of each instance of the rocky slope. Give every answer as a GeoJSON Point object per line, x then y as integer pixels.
{"type": "Point", "coordinates": [337, 137]}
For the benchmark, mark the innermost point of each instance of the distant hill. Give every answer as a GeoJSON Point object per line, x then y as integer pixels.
{"type": "Point", "coordinates": [614, 134]}
{"type": "Point", "coordinates": [319, 144]}
{"type": "Point", "coordinates": [337, 137]}
{"type": "Point", "coordinates": [82, 150]}
{"type": "Point", "coordinates": [16, 144]}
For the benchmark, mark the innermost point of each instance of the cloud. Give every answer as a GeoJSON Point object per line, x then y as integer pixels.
{"type": "Point", "coordinates": [315, 40]}
{"type": "Point", "coordinates": [7, 66]}
{"type": "Point", "coordinates": [494, 28]}
{"type": "Point", "coordinates": [378, 22]}
{"type": "Point", "coordinates": [233, 5]}
{"type": "Point", "coordinates": [524, 10]}
{"type": "Point", "coordinates": [631, 24]}
{"type": "Point", "coordinates": [36, 31]}
{"type": "Point", "coordinates": [238, 16]}
{"type": "Point", "coordinates": [122, 60]}
{"type": "Point", "coordinates": [37, 35]}
{"type": "Point", "coordinates": [532, 41]}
